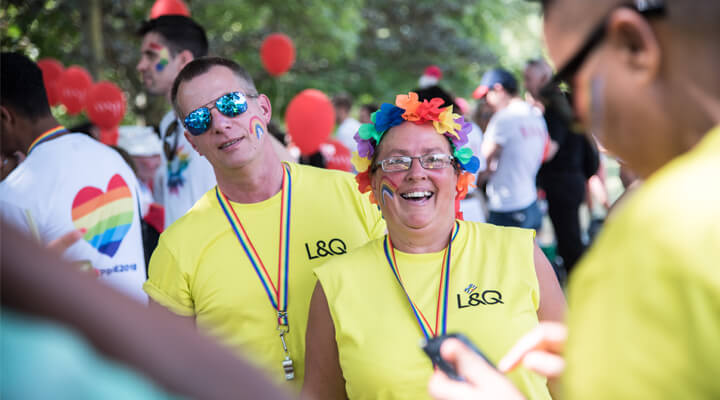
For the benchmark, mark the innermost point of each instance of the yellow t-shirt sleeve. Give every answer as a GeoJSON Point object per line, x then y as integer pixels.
{"type": "Point", "coordinates": [377, 223]}
{"type": "Point", "coordinates": [374, 222]}
{"type": "Point", "coordinates": [637, 320]}
{"type": "Point", "coordinates": [167, 284]}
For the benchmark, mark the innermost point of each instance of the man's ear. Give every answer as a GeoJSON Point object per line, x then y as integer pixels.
{"type": "Point", "coordinates": [6, 116]}
{"type": "Point", "coordinates": [185, 57]}
{"type": "Point", "coordinates": [631, 35]}
{"type": "Point", "coordinates": [7, 119]}
{"type": "Point", "coordinates": [190, 138]}
{"type": "Point", "coordinates": [265, 108]}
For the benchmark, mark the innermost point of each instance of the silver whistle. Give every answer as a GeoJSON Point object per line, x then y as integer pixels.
{"type": "Point", "coordinates": [287, 365]}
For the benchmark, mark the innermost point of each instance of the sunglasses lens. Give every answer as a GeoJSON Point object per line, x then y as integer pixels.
{"type": "Point", "coordinates": [232, 104]}
{"type": "Point", "coordinates": [198, 121]}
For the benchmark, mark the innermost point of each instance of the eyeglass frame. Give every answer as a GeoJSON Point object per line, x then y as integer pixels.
{"type": "Point", "coordinates": [452, 162]}
{"type": "Point", "coordinates": [646, 8]}
{"type": "Point", "coordinates": [213, 105]}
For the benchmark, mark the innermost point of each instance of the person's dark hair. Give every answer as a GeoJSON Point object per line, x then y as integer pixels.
{"type": "Point", "coordinates": [22, 87]}
{"type": "Point", "coordinates": [370, 107]}
{"type": "Point", "coordinates": [85, 127]}
{"type": "Point", "coordinates": [275, 130]}
{"type": "Point", "coordinates": [343, 101]}
{"type": "Point", "coordinates": [180, 33]}
{"type": "Point", "coordinates": [315, 159]}
{"type": "Point", "coordinates": [199, 66]}
{"type": "Point", "coordinates": [436, 91]}
{"type": "Point", "coordinates": [127, 157]}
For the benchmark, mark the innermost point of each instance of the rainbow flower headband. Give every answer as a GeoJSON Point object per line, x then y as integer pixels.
{"type": "Point", "coordinates": [409, 108]}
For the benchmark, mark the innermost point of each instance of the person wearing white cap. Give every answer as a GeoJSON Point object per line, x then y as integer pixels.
{"type": "Point", "coordinates": [144, 147]}
{"type": "Point", "coordinates": [430, 77]}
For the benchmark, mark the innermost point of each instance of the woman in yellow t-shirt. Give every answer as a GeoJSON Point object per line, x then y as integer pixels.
{"type": "Point", "coordinates": [432, 273]}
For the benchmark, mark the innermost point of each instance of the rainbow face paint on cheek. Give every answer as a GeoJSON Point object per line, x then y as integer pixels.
{"type": "Point", "coordinates": [164, 60]}
{"type": "Point", "coordinates": [597, 105]}
{"type": "Point", "coordinates": [387, 190]}
{"type": "Point", "coordinates": [256, 126]}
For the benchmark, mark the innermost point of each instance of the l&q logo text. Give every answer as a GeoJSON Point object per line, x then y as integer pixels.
{"type": "Point", "coordinates": [477, 298]}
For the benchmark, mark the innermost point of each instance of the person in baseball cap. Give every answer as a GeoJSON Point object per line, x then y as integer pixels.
{"type": "Point", "coordinates": [493, 77]}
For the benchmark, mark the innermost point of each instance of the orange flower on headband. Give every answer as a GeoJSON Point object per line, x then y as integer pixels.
{"type": "Point", "coordinates": [429, 110]}
{"type": "Point", "coordinates": [465, 180]}
{"type": "Point", "coordinates": [410, 104]}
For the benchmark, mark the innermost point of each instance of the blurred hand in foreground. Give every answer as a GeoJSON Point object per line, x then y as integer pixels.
{"type": "Point", "coordinates": [482, 381]}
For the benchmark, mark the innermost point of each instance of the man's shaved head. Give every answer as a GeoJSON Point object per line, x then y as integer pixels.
{"type": "Point", "coordinates": [648, 79]}
{"type": "Point", "coordinates": [688, 19]}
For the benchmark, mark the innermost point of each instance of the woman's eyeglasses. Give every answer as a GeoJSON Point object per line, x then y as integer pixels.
{"type": "Point", "coordinates": [231, 105]}
{"type": "Point", "coordinates": [403, 163]}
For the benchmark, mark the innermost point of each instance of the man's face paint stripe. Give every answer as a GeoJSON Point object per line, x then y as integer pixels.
{"type": "Point", "coordinates": [164, 59]}
{"type": "Point", "coordinates": [256, 126]}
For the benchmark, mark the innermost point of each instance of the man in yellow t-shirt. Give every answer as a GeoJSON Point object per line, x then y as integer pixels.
{"type": "Point", "coordinates": [240, 262]}
{"type": "Point", "coordinates": [645, 301]}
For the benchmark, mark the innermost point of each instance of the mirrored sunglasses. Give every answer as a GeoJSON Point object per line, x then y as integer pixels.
{"type": "Point", "coordinates": [231, 105]}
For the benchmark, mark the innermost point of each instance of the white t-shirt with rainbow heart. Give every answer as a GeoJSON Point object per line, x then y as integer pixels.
{"type": "Point", "coordinates": [73, 182]}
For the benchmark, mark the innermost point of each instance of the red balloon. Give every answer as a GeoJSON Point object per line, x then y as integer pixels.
{"type": "Point", "coordinates": [72, 88]}
{"type": "Point", "coordinates": [105, 105]}
{"type": "Point", "coordinates": [168, 7]}
{"type": "Point", "coordinates": [51, 69]}
{"type": "Point", "coordinates": [109, 136]}
{"type": "Point", "coordinates": [277, 53]}
{"type": "Point", "coordinates": [336, 155]}
{"type": "Point", "coordinates": [310, 118]}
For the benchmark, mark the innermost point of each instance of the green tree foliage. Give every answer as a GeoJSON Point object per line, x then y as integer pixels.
{"type": "Point", "coordinates": [372, 49]}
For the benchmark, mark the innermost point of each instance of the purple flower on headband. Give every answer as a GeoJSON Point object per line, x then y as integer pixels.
{"type": "Point", "coordinates": [365, 147]}
{"type": "Point", "coordinates": [387, 117]}
{"type": "Point", "coordinates": [463, 132]}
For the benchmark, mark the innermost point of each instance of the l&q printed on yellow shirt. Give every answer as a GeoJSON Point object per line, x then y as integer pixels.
{"type": "Point", "coordinates": [379, 351]}
{"type": "Point", "coordinates": [201, 270]}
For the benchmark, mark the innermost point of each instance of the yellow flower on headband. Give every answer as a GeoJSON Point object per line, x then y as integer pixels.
{"type": "Point", "coordinates": [361, 164]}
{"type": "Point", "coordinates": [409, 103]}
{"type": "Point", "coordinates": [446, 123]}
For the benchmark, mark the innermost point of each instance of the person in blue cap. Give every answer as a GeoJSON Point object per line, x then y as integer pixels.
{"type": "Point", "coordinates": [514, 146]}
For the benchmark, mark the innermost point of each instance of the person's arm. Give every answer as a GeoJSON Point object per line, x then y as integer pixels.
{"type": "Point", "coordinates": [552, 300]}
{"type": "Point", "coordinates": [490, 152]}
{"type": "Point", "coordinates": [323, 376]}
{"type": "Point", "coordinates": [167, 285]}
{"type": "Point", "coordinates": [189, 321]}
{"type": "Point", "coordinates": [36, 282]}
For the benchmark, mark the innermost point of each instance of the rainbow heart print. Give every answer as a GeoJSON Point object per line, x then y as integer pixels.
{"type": "Point", "coordinates": [107, 216]}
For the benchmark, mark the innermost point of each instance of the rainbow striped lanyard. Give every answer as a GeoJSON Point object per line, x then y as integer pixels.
{"type": "Point", "coordinates": [443, 288]}
{"type": "Point", "coordinates": [277, 293]}
{"type": "Point", "coordinates": [47, 135]}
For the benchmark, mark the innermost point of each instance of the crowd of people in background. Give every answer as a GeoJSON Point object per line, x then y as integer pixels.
{"type": "Point", "coordinates": [447, 207]}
